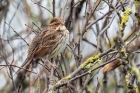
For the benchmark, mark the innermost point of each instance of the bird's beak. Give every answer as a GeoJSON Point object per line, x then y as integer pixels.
{"type": "Point", "coordinates": [63, 23]}
{"type": "Point", "coordinates": [62, 27]}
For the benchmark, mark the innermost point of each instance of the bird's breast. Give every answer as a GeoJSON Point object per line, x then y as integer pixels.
{"type": "Point", "coordinates": [61, 44]}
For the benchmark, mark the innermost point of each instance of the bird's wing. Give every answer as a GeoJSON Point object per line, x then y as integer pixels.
{"type": "Point", "coordinates": [32, 47]}
{"type": "Point", "coordinates": [35, 42]}
{"type": "Point", "coordinates": [48, 42]}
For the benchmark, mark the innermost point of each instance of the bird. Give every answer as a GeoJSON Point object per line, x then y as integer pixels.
{"type": "Point", "coordinates": [49, 42]}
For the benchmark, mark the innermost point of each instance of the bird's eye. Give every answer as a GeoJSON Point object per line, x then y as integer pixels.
{"type": "Point", "coordinates": [56, 24]}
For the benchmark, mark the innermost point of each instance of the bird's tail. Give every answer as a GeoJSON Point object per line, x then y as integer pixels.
{"type": "Point", "coordinates": [21, 72]}
{"type": "Point", "coordinates": [24, 66]}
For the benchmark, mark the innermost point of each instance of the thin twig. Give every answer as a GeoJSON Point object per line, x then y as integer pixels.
{"type": "Point", "coordinates": [17, 34]}
{"type": "Point", "coordinates": [42, 7]}
{"type": "Point", "coordinates": [36, 26]}
{"type": "Point", "coordinates": [53, 8]}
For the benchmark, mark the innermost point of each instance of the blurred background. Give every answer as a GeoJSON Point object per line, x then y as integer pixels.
{"type": "Point", "coordinates": [86, 20]}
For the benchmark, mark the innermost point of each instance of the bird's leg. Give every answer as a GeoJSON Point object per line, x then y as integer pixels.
{"type": "Point", "coordinates": [52, 65]}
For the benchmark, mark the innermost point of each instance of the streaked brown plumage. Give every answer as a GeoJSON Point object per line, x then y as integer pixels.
{"type": "Point", "coordinates": [51, 41]}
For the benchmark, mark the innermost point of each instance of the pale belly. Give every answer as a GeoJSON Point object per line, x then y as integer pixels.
{"type": "Point", "coordinates": [61, 47]}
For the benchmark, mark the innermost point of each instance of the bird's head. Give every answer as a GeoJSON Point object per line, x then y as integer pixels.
{"type": "Point", "coordinates": [57, 24]}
